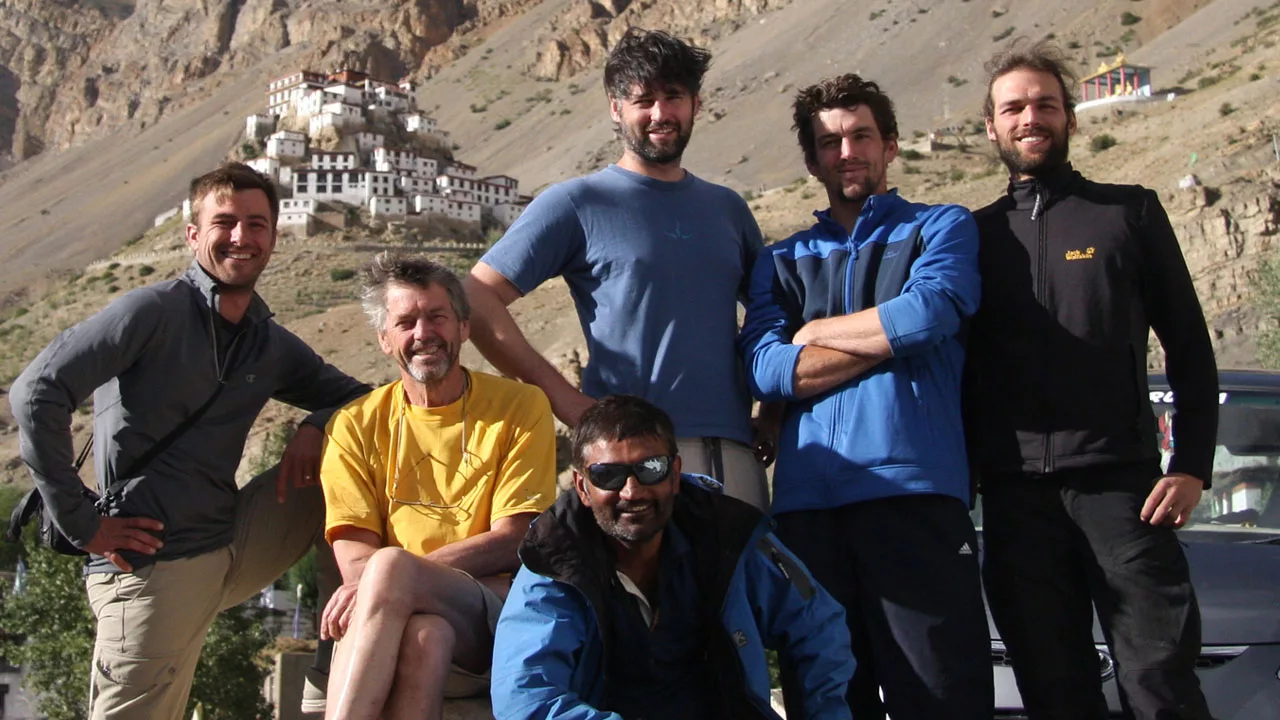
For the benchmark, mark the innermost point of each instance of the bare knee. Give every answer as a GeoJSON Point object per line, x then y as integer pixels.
{"type": "Point", "coordinates": [384, 578]}
{"type": "Point", "coordinates": [428, 642]}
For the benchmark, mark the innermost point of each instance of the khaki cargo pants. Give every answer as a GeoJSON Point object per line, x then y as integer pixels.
{"type": "Point", "coordinates": [152, 623]}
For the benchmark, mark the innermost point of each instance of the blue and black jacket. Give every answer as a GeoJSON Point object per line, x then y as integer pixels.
{"type": "Point", "coordinates": [896, 429]}
{"type": "Point", "coordinates": [552, 649]}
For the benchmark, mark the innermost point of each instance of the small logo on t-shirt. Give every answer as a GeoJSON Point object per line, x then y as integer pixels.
{"type": "Point", "coordinates": [679, 234]}
{"type": "Point", "coordinates": [1085, 254]}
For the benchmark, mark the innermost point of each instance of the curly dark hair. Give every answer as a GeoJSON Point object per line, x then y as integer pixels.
{"type": "Point", "coordinates": [650, 58]}
{"type": "Point", "coordinates": [1022, 54]}
{"type": "Point", "coordinates": [845, 91]}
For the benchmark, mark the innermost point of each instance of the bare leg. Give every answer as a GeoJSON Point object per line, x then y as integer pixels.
{"type": "Point", "coordinates": [426, 652]}
{"type": "Point", "coordinates": [395, 586]}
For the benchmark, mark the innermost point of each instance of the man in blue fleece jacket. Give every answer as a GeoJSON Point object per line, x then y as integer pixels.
{"type": "Point", "coordinates": [855, 324]}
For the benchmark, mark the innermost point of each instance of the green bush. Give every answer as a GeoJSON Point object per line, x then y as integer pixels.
{"type": "Point", "coordinates": [1003, 34]}
{"type": "Point", "coordinates": [340, 274]}
{"type": "Point", "coordinates": [1102, 142]}
{"type": "Point", "coordinates": [911, 154]}
{"type": "Point", "coordinates": [145, 270]}
{"type": "Point", "coordinates": [1225, 109]}
{"type": "Point", "coordinates": [1127, 18]}
{"type": "Point", "coordinates": [1207, 81]}
{"type": "Point", "coordinates": [502, 124]}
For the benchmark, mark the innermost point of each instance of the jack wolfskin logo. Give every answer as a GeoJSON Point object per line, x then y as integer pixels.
{"type": "Point", "coordinates": [1085, 254]}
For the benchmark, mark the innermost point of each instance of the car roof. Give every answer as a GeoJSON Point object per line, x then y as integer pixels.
{"type": "Point", "coordinates": [1229, 380]}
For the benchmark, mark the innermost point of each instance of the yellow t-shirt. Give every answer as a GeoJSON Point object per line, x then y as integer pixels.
{"type": "Point", "coordinates": [401, 472]}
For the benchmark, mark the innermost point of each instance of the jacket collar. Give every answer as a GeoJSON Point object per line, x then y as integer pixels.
{"type": "Point", "coordinates": [208, 288]}
{"type": "Point", "coordinates": [1045, 189]}
{"type": "Point", "coordinates": [564, 543]}
{"type": "Point", "coordinates": [873, 210]}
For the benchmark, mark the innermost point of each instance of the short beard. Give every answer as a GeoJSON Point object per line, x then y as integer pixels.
{"type": "Point", "coordinates": [643, 147]}
{"type": "Point", "coordinates": [433, 374]}
{"type": "Point", "coordinates": [1054, 158]}
{"type": "Point", "coordinates": [610, 525]}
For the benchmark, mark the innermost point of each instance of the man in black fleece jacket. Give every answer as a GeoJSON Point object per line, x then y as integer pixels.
{"type": "Point", "coordinates": [1077, 509]}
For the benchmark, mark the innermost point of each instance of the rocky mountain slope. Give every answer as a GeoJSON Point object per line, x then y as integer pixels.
{"type": "Point", "coordinates": [518, 84]}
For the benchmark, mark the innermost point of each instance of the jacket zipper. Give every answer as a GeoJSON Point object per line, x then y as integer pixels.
{"type": "Point", "coordinates": [1042, 263]}
{"type": "Point", "coordinates": [218, 369]}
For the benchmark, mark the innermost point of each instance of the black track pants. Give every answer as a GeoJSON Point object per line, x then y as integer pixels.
{"type": "Point", "coordinates": [1061, 544]}
{"type": "Point", "coordinates": [906, 571]}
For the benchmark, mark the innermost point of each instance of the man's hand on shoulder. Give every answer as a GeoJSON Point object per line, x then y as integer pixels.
{"type": "Point", "coordinates": [1172, 500]}
{"type": "Point", "coordinates": [300, 465]}
{"type": "Point", "coordinates": [120, 533]}
{"type": "Point", "coordinates": [336, 618]}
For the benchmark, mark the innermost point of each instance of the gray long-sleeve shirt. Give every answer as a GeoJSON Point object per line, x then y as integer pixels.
{"type": "Point", "coordinates": [150, 359]}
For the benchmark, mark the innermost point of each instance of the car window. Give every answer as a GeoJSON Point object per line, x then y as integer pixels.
{"type": "Point", "coordinates": [1246, 465]}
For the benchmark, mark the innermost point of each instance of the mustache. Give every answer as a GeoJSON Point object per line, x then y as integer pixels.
{"type": "Point", "coordinates": [662, 127]}
{"type": "Point", "coordinates": [632, 506]}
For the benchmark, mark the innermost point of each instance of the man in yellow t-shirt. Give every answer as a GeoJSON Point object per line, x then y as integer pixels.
{"type": "Point", "coordinates": [430, 483]}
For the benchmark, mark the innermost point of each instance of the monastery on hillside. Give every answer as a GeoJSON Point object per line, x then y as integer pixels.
{"type": "Point", "coordinates": [366, 171]}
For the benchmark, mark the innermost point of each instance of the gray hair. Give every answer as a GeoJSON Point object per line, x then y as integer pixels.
{"type": "Point", "coordinates": [417, 271]}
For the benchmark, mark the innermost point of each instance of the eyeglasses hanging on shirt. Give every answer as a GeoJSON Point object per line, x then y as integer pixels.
{"type": "Point", "coordinates": [464, 462]}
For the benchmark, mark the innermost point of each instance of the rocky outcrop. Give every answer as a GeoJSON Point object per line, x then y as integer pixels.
{"type": "Point", "coordinates": [580, 37]}
{"type": "Point", "coordinates": [1223, 241]}
{"type": "Point", "coordinates": [74, 70]}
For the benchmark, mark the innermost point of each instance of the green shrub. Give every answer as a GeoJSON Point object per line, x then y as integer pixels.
{"type": "Point", "coordinates": [145, 270]}
{"type": "Point", "coordinates": [340, 274]}
{"type": "Point", "coordinates": [1003, 34]}
{"type": "Point", "coordinates": [1127, 18]}
{"type": "Point", "coordinates": [956, 175]}
{"type": "Point", "coordinates": [1101, 142]}
{"type": "Point", "coordinates": [1225, 109]}
{"type": "Point", "coordinates": [911, 154]}
{"type": "Point", "coordinates": [1207, 81]}
{"type": "Point", "coordinates": [502, 124]}
{"type": "Point", "coordinates": [1255, 76]}
{"type": "Point", "coordinates": [478, 108]}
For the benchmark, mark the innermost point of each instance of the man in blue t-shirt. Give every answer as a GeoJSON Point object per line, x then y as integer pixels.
{"type": "Point", "coordinates": [656, 260]}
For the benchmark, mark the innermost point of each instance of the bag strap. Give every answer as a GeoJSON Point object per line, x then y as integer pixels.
{"type": "Point", "coordinates": [163, 444]}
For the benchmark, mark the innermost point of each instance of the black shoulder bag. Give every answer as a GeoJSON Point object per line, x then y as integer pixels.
{"type": "Point", "coordinates": [32, 504]}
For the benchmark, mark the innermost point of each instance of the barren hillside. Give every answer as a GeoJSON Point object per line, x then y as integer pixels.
{"type": "Point", "coordinates": [61, 210]}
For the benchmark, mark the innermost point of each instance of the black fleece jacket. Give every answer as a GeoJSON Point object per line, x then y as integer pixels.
{"type": "Point", "coordinates": [1074, 273]}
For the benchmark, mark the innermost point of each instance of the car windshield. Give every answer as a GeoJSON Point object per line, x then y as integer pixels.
{"type": "Point", "coordinates": [1246, 465]}
{"type": "Point", "coordinates": [1243, 503]}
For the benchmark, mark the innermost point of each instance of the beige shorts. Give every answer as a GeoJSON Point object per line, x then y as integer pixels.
{"type": "Point", "coordinates": [460, 683]}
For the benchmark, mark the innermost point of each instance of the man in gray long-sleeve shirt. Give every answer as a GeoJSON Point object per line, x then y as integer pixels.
{"type": "Point", "coordinates": [176, 541]}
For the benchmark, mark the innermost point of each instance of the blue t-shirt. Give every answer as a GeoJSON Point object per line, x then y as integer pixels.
{"type": "Point", "coordinates": [656, 270]}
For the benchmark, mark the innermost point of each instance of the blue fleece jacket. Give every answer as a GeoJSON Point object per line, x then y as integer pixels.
{"type": "Point", "coordinates": [896, 429]}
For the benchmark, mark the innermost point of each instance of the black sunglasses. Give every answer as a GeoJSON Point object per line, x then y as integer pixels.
{"type": "Point", "coordinates": [613, 476]}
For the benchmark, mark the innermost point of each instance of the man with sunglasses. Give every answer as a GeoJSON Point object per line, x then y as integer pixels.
{"type": "Point", "coordinates": [648, 593]}
{"type": "Point", "coordinates": [430, 483]}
